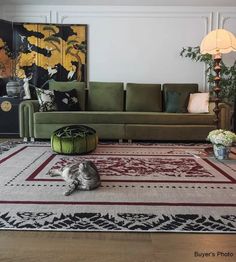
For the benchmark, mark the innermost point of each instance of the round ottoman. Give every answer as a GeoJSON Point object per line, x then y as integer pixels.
{"type": "Point", "coordinates": [75, 139]}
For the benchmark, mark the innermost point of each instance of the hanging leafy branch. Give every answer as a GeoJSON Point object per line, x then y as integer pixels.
{"type": "Point", "coordinates": [49, 28]}
{"type": "Point", "coordinates": [228, 73]}
{"type": "Point", "coordinates": [53, 40]}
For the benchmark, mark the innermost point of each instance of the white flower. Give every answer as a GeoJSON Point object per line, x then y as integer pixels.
{"type": "Point", "coordinates": [221, 137]}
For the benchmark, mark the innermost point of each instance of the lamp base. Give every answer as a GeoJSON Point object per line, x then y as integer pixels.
{"type": "Point", "coordinates": [217, 89]}
{"type": "Point", "coordinates": [234, 116]}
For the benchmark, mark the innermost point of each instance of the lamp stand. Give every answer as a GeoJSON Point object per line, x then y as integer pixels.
{"type": "Point", "coordinates": [234, 115]}
{"type": "Point", "coordinates": [217, 89]}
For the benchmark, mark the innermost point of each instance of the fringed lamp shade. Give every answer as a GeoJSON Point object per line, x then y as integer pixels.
{"type": "Point", "coordinates": [218, 41]}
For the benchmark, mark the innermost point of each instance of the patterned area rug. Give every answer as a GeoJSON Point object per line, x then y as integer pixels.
{"type": "Point", "coordinates": [145, 188]}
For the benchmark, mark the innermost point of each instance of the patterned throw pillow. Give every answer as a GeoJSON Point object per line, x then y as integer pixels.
{"type": "Point", "coordinates": [67, 101]}
{"type": "Point", "coordinates": [46, 100]}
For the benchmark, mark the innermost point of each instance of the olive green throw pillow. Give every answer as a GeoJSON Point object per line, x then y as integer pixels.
{"type": "Point", "coordinates": [106, 96]}
{"type": "Point", "coordinates": [69, 85]}
{"type": "Point", "coordinates": [176, 102]}
{"type": "Point", "coordinates": [143, 97]}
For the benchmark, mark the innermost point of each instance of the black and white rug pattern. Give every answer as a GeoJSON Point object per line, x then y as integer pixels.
{"type": "Point", "coordinates": [120, 222]}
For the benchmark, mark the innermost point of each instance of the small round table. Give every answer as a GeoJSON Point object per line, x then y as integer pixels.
{"type": "Point", "coordinates": [74, 139]}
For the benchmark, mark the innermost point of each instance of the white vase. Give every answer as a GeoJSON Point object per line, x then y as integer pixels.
{"type": "Point", "coordinates": [221, 152]}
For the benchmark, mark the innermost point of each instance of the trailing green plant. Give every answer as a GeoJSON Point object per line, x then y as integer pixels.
{"type": "Point", "coordinates": [228, 73]}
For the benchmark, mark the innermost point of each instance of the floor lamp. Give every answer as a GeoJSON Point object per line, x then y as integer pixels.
{"type": "Point", "coordinates": [216, 43]}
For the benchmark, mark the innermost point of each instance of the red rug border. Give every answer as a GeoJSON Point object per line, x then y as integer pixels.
{"type": "Point", "coordinates": [32, 178]}
{"type": "Point", "coordinates": [119, 203]}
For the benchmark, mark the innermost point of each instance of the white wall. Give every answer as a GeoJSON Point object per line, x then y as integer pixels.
{"type": "Point", "coordinates": [137, 44]}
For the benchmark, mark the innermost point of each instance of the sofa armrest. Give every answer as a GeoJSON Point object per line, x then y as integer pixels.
{"type": "Point", "coordinates": [224, 115]}
{"type": "Point", "coordinates": [26, 121]}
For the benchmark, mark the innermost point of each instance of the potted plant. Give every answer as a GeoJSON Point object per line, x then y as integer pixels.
{"type": "Point", "coordinates": [222, 140]}
{"type": "Point", "coordinates": [228, 73]}
{"type": "Point", "coordinates": [13, 86]}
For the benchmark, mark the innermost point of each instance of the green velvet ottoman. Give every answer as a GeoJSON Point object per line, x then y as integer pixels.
{"type": "Point", "coordinates": [75, 139]}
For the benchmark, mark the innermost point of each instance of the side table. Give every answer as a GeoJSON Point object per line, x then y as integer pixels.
{"type": "Point", "coordinates": [9, 115]}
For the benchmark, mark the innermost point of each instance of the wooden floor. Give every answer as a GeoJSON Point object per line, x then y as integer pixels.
{"type": "Point", "coordinates": [22, 246]}
{"type": "Point", "coordinates": [114, 247]}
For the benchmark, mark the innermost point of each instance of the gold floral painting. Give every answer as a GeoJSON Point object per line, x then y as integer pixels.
{"type": "Point", "coordinates": [6, 45]}
{"type": "Point", "coordinates": [48, 51]}
{"type": "Point", "coordinates": [38, 53]}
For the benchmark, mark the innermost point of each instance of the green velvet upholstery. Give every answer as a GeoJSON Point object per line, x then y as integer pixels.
{"type": "Point", "coordinates": [143, 97]}
{"type": "Point", "coordinates": [74, 139]}
{"type": "Point", "coordinates": [176, 102]}
{"type": "Point", "coordinates": [26, 117]}
{"type": "Point", "coordinates": [168, 132]}
{"type": "Point", "coordinates": [185, 89]}
{"type": "Point", "coordinates": [103, 96]}
{"type": "Point", "coordinates": [97, 117]}
{"type": "Point", "coordinates": [121, 124]}
{"type": "Point", "coordinates": [69, 85]}
{"type": "Point", "coordinates": [104, 131]}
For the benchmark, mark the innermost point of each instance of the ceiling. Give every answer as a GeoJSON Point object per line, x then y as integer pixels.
{"type": "Point", "coordinates": [124, 2]}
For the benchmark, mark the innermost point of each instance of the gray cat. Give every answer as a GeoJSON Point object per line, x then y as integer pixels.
{"type": "Point", "coordinates": [81, 176]}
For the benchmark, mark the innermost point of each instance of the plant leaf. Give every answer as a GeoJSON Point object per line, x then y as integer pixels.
{"type": "Point", "coordinates": [72, 42]}
{"type": "Point", "coordinates": [49, 28]}
{"type": "Point", "coordinates": [53, 39]}
{"type": "Point", "coordinates": [68, 50]}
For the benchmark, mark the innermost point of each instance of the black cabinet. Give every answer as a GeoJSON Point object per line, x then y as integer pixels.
{"type": "Point", "coordinates": [9, 115]}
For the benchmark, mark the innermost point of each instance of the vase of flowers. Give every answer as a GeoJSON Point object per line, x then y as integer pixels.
{"type": "Point", "coordinates": [222, 140]}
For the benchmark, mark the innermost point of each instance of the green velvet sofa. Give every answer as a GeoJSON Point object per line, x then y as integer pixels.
{"type": "Point", "coordinates": [135, 113]}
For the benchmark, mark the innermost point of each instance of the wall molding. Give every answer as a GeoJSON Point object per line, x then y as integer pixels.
{"type": "Point", "coordinates": [222, 17]}
{"type": "Point", "coordinates": [61, 16]}
{"type": "Point", "coordinates": [24, 14]}
{"type": "Point", "coordinates": [19, 18]}
{"type": "Point", "coordinates": [207, 17]}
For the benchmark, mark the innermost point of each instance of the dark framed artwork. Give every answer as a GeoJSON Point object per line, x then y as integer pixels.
{"type": "Point", "coordinates": [41, 52]}
{"type": "Point", "coordinates": [6, 52]}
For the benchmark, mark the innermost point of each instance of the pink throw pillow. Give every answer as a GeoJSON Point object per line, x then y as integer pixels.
{"type": "Point", "coordinates": [198, 103]}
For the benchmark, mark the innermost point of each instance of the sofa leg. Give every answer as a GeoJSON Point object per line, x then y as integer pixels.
{"type": "Point", "coordinates": [120, 141]}
{"type": "Point", "coordinates": [130, 141]}
{"type": "Point", "coordinates": [32, 139]}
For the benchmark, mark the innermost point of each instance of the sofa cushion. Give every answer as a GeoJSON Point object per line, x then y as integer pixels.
{"type": "Point", "coordinates": [198, 103]}
{"type": "Point", "coordinates": [67, 101]}
{"type": "Point", "coordinates": [105, 96]}
{"type": "Point", "coordinates": [46, 100]}
{"type": "Point", "coordinates": [180, 88]}
{"type": "Point", "coordinates": [176, 102]}
{"type": "Point", "coordinates": [112, 117]}
{"type": "Point", "coordinates": [67, 86]}
{"type": "Point", "coordinates": [159, 118]}
{"type": "Point", "coordinates": [143, 97]}
{"type": "Point", "coordinates": [168, 132]}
